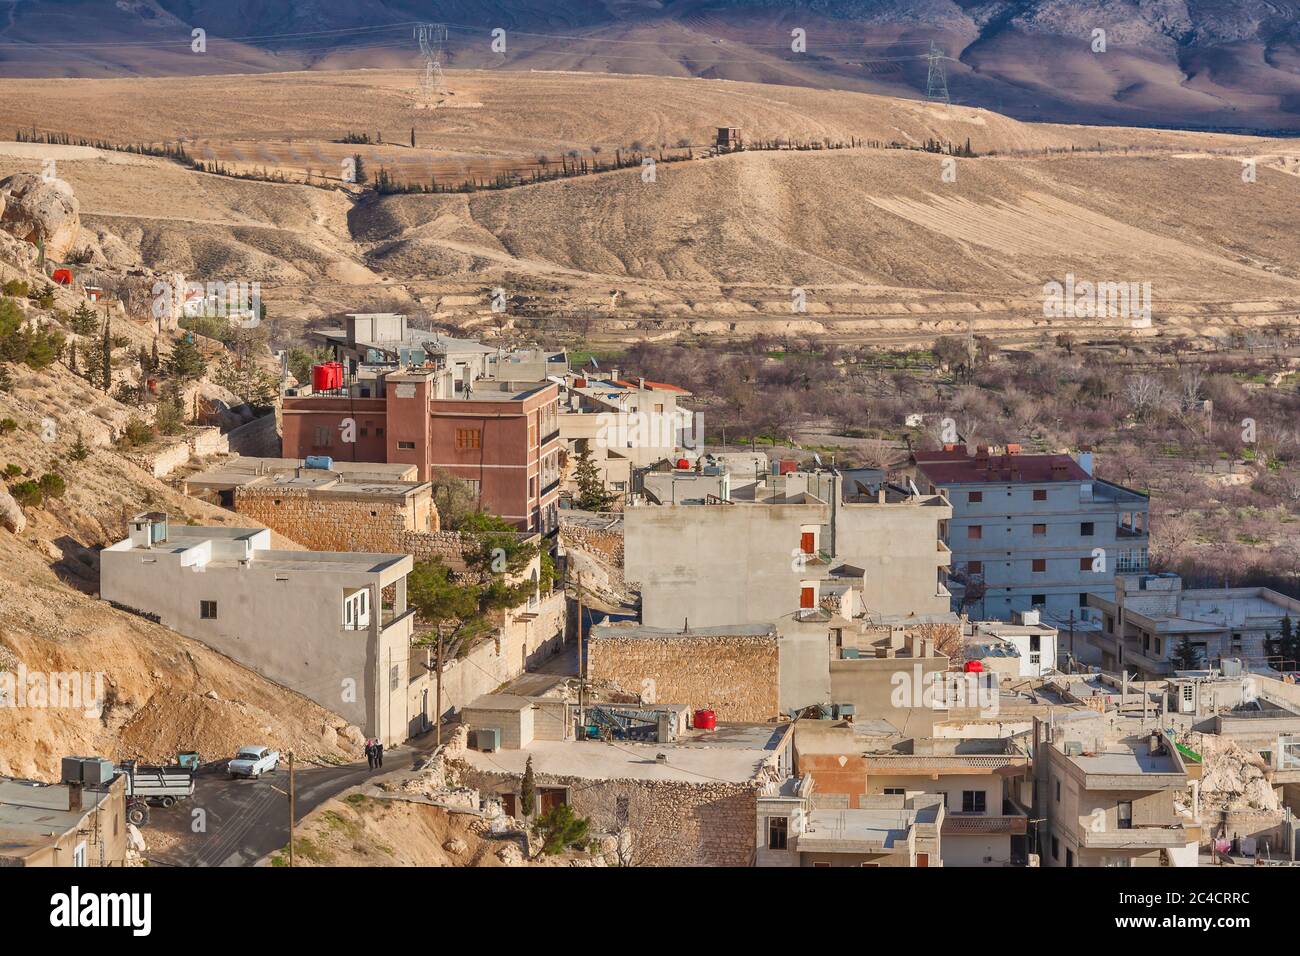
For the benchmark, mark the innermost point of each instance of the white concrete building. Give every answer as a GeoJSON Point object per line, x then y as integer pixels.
{"type": "Point", "coordinates": [1036, 531]}
{"type": "Point", "coordinates": [313, 621]}
{"type": "Point", "coordinates": [1023, 648]}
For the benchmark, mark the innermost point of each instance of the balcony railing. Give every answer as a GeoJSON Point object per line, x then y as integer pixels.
{"type": "Point", "coordinates": [1136, 838]}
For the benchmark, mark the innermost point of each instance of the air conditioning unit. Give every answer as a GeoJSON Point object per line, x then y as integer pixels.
{"type": "Point", "coordinates": [485, 739]}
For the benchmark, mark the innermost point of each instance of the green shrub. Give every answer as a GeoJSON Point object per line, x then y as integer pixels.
{"type": "Point", "coordinates": [15, 287]}
{"type": "Point", "coordinates": [52, 485]}
{"type": "Point", "coordinates": [7, 425]}
{"type": "Point", "coordinates": [28, 494]}
{"type": "Point", "coordinates": [137, 432]}
{"type": "Point", "coordinates": [12, 470]}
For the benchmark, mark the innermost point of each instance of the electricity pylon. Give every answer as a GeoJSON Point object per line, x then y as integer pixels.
{"type": "Point", "coordinates": [936, 81]}
{"type": "Point", "coordinates": [432, 38]}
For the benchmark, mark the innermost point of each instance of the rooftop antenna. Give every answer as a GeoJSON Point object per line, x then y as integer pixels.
{"type": "Point", "coordinates": [936, 81]}
{"type": "Point", "coordinates": [432, 38]}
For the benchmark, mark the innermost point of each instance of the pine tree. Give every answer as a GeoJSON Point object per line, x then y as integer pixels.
{"type": "Point", "coordinates": [186, 361]}
{"type": "Point", "coordinates": [107, 349]}
{"type": "Point", "coordinates": [6, 380]}
{"type": "Point", "coordinates": [72, 357]}
{"type": "Point", "coordinates": [153, 355]}
{"type": "Point", "coordinates": [412, 137]}
{"type": "Point", "coordinates": [592, 495]}
{"type": "Point", "coordinates": [528, 790]}
{"type": "Point", "coordinates": [80, 450]}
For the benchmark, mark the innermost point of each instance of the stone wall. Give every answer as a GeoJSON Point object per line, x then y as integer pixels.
{"type": "Point", "coordinates": [738, 676]}
{"type": "Point", "coordinates": [606, 543]}
{"type": "Point", "coordinates": [326, 522]}
{"type": "Point", "coordinates": [669, 822]}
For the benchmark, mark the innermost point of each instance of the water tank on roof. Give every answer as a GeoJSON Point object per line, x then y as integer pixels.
{"type": "Point", "coordinates": [683, 463]}
{"type": "Point", "coordinates": [974, 667]}
{"type": "Point", "coordinates": [706, 720]}
{"type": "Point", "coordinates": [319, 462]}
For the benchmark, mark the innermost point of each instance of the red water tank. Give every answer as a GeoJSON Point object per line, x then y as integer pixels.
{"type": "Point", "coordinates": [788, 465]}
{"type": "Point", "coordinates": [326, 376]}
{"type": "Point", "coordinates": [683, 463]}
{"type": "Point", "coordinates": [706, 720]}
{"type": "Point", "coordinates": [62, 276]}
{"type": "Point", "coordinates": [974, 667]}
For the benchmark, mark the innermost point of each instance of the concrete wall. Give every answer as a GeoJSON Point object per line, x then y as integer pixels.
{"type": "Point", "coordinates": [716, 565]}
{"type": "Point", "coordinates": [259, 438]}
{"type": "Point", "coordinates": [737, 676]}
{"type": "Point", "coordinates": [490, 664]}
{"type": "Point", "coordinates": [287, 626]}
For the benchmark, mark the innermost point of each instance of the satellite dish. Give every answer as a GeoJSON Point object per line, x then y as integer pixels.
{"type": "Point", "coordinates": [912, 485]}
{"type": "Point", "coordinates": [594, 363]}
{"type": "Point", "coordinates": [817, 458]}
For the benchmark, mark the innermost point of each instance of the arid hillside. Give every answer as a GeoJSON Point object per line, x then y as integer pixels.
{"type": "Point", "coordinates": [886, 243]}
{"type": "Point", "coordinates": [162, 692]}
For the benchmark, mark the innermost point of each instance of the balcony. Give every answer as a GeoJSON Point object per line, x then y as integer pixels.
{"type": "Point", "coordinates": [1138, 838]}
{"type": "Point", "coordinates": [959, 824]}
{"type": "Point", "coordinates": [1131, 562]}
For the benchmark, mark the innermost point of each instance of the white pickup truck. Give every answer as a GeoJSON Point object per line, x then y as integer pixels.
{"type": "Point", "coordinates": [253, 762]}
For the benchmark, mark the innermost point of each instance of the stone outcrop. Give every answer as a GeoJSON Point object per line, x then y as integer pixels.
{"type": "Point", "coordinates": [11, 516]}
{"type": "Point", "coordinates": [40, 210]}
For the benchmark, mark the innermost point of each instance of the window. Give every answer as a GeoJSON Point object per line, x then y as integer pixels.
{"type": "Point", "coordinates": [807, 598]}
{"type": "Point", "coordinates": [975, 567]}
{"type": "Point", "coordinates": [1037, 600]}
{"type": "Point", "coordinates": [974, 532]}
{"type": "Point", "coordinates": [393, 677]}
{"type": "Point", "coordinates": [1069, 857]}
{"type": "Point", "coordinates": [973, 497]}
{"type": "Point", "coordinates": [468, 438]}
{"type": "Point", "coordinates": [1040, 565]}
{"type": "Point", "coordinates": [1058, 791]}
{"type": "Point", "coordinates": [1085, 564]}
{"type": "Point", "coordinates": [972, 801]}
{"type": "Point", "coordinates": [79, 854]}
{"type": "Point", "coordinates": [208, 610]}
{"type": "Point", "coordinates": [778, 829]}
{"type": "Point", "coordinates": [1124, 814]}
{"type": "Point", "coordinates": [1040, 494]}
{"type": "Point", "coordinates": [1083, 599]}
{"type": "Point", "coordinates": [1056, 848]}
{"type": "Point", "coordinates": [894, 792]}
{"type": "Point", "coordinates": [406, 445]}
{"type": "Point", "coordinates": [1040, 529]}
{"type": "Point", "coordinates": [323, 437]}
{"type": "Point", "coordinates": [1086, 529]}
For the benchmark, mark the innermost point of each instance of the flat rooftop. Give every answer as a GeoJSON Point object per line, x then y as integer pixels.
{"type": "Point", "coordinates": [24, 828]}
{"type": "Point", "coordinates": [734, 754]}
{"type": "Point", "coordinates": [662, 633]}
{"type": "Point", "coordinates": [242, 470]}
{"type": "Point", "coordinates": [1125, 760]}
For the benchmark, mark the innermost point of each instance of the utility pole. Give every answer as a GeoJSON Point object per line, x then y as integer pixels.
{"type": "Point", "coordinates": [437, 706]}
{"type": "Point", "coordinates": [1072, 659]}
{"type": "Point", "coordinates": [292, 795]}
{"type": "Point", "coordinates": [582, 671]}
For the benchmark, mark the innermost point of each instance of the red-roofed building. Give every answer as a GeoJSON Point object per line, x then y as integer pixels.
{"type": "Point", "coordinates": [1036, 531]}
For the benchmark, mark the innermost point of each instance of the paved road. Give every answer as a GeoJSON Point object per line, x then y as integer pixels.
{"type": "Point", "coordinates": [247, 819]}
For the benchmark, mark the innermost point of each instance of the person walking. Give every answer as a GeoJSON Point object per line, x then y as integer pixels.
{"type": "Point", "coordinates": [379, 753]}
{"type": "Point", "coordinates": [370, 753]}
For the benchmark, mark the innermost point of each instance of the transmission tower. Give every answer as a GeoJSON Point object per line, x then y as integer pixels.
{"type": "Point", "coordinates": [936, 81]}
{"type": "Point", "coordinates": [432, 38]}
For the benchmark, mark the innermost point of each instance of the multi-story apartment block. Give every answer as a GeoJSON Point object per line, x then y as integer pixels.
{"type": "Point", "coordinates": [439, 404]}
{"type": "Point", "coordinates": [1034, 531]}
{"type": "Point", "coordinates": [1149, 623]}
{"type": "Point", "coordinates": [314, 621]}
{"type": "Point", "coordinates": [785, 546]}
{"type": "Point", "coordinates": [1112, 802]}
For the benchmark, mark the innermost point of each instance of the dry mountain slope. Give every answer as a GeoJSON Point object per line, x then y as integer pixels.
{"type": "Point", "coordinates": [164, 692]}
